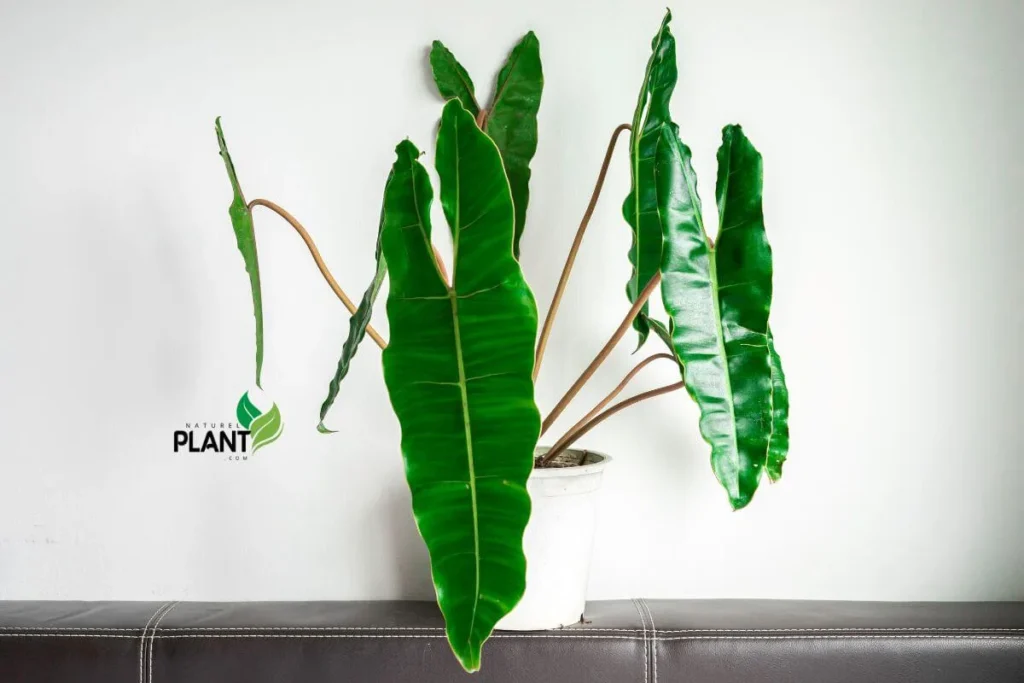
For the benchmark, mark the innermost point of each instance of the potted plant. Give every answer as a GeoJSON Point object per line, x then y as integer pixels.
{"type": "Point", "coordinates": [464, 348]}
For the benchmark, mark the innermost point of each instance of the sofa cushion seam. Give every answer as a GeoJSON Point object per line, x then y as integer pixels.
{"type": "Point", "coordinates": [201, 636]}
{"type": "Point", "coordinates": [439, 629]}
{"type": "Point", "coordinates": [142, 642]}
{"type": "Point", "coordinates": [654, 637]}
{"type": "Point", "coordinates": [643, 624]}
{"type": "Point", "coordinates": [152, 637]}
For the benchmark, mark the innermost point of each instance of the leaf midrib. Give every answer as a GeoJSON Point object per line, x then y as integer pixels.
{"type": "Point", "coordinates": [453, 296]}
{"type": "Point", "coordinates": [460, 363]}
{"type": "Point", "coordinates": [504, 84]}
{"type": "Point", "coordinates": [464, 79]}
{"type": "Point", "coordinates": [720, 333]}
{"type": "Point", "coordinates": [735, 455]}
{"type": "Point", "coordinates": [771, 403]}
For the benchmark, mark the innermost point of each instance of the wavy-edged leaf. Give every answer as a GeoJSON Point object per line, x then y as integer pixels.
{"type": "Point", "coordinates": [356, 326]}
{"type": "Point", "coordinates": [778, 445]}
{"type": "Point", "coordinates": [241, 221]}
{"type": "Point", "coordinates": [512, 122]}
{"type": "Point", "coordinates": [356, 333]}
{"type": "Point", "coordinates": [451, 78]}
{"type": "Point", "coordinates": [458, 370]}
{"type": "Point", "coordinates": [641, 206]}
{"type": "Point", "coordinates": [266, 428]}
{"type": "Point", "coordinates": [718, 299]}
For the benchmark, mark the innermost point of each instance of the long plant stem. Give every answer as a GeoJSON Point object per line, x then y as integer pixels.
{"type": "Point", "coordinates": [571, 259]}
{"type": "Point", "coordinates": [374, 335]}
{"type": "Point", "coordinates": [634, 310]}
{"type": "Point", "coordinates": [611, 397]}
{"type": "Point", "coordinates": [571, 438]}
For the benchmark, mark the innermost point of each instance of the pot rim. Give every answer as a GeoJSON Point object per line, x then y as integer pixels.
{"type": "Point", "coordinates": [572, 471]}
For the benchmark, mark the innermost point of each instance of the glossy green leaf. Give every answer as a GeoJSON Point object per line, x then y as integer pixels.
{"type": "Point", "coordinates": [458, 371]}
{"type": "Point", "coordinates": [356, 327]}
{"type": "Point", "coordinates": [512, 122]}
{"type": "Point", "coordinates": [451, 78]}
{"type": "Point", "coordinates": [718, 299]}
{"type": "Point", "coordinates": [241, 221]}
{"type": "Point", "coordinates": [778, 445]}
{"type": "Point", "coordinates": [641, 206]}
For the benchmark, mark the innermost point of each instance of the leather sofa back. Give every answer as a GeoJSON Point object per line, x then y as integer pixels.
{"type": "Point", "coordinates": [627, 641]}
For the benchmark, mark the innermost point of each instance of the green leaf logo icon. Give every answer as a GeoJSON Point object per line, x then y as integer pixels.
{"type": "Point", "coordinates": [265, 428]}
{"type": "Point", "coordinates": [246, 411]}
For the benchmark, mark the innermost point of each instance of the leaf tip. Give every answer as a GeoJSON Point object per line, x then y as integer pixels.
{"type": "Point", "coordinates": [453, 110]}
{"type": "Point", "coordinates": [469, 657]}
{"type": "Point", "coordinates": [407, 149]}
{"type": "Point", "coordinates": [437, 56]}
{"type": "Point", "coordinates": [220, 134]}
{"type": "Point", "coordinates": [740, 502]}
{"type": "Point", "coordinates": [453, 103]}
{"type": "Point", "coordinates": [732, 131]}
{"type": "Point", "coordinates": [322, 428]}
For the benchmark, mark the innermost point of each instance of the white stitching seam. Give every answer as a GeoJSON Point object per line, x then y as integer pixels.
{"type": "Point", "coordinates": [429, 629]}
{"type": "Point", "coordinates": [142, 643]}
{"type": "Point", "coordinates": [152, 636]}
{"type": "Point", "coordinates": [654, 636]}
{"type": "Point", "coordinates": [643, 623]}
{"type": "Point", "coordinates": [148, 647]}
{"type": "Point", "coordinates": [866, 629]}
{"type": "Point", "coordinates": [73, 628]}
{"type": "Point", "coordinates": [438, 629]}
{"type": "Point", "coordinates": [850, 637]}
{"type": "Point", "coordinates": [508, 637]}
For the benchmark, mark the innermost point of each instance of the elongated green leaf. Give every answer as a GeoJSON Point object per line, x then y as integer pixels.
{"type": "Point", "coordinates": [778, 445]}
{"type": "Point", "coordinates": [641, 206]}
{"type": "Point", "coordinates": [451, 78]}
{"type": "Point", "coordinates": [356, 326]}
{"type": "Point", "coordinates": [458, 370]}
{"type": "Point", "coordinates": [241, 221]}
{"type": "Point", "coordinates": [718, 300]}
{"type": "Point", "coordinates": [512, 121]}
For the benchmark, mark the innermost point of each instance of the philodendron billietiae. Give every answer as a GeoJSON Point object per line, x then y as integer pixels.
{"type": "Point", "coordinates": [460, 363]}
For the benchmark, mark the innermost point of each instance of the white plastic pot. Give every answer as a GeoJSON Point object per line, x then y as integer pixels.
{"type": "Point", "coordinates": [558, 542]}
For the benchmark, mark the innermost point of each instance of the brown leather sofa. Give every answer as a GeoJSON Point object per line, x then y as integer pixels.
{"type": "Point", "coordinates": [623, 641]}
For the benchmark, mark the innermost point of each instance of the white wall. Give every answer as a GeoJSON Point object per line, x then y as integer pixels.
{"type": "Point", "coordinates": [892, 137]}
